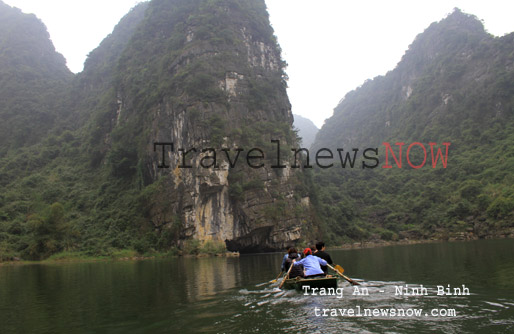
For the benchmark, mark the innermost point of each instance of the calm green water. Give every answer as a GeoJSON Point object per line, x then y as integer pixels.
{"type": "Point", "coordinates": [227, 295]}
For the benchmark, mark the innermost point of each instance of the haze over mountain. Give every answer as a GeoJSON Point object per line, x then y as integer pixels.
{"type": "Point", "coordinates": [307, 130]}
{"type": "Point", "coordinates": [32, 76]}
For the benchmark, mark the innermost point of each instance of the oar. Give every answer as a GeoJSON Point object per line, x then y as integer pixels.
{"type": "Point", "coordinates": [287, 276]}
{"type": "Point", "coordinates": [352, 282]}
{"type": "Point", "coordinates": [276, 279]}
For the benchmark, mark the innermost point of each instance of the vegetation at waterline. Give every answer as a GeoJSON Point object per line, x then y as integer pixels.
{"type": "Point", "coordinates": [192, 248]}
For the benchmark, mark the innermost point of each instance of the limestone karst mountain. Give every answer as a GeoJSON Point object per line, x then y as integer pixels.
{"type": "Point", "coordinates": [455, 84]}
{"type": "Point", "coordinates": [199, 74]}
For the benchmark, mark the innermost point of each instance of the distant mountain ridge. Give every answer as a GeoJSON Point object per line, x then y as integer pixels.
{"type": "Point", "coordinates": [307, 130]}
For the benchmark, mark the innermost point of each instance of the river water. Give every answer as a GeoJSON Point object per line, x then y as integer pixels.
{"type": "Point", "coordinates": [232, 295]}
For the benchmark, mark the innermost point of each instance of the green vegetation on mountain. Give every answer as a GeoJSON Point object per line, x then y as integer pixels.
{"type": "Point", "coordinates": [455, 84]}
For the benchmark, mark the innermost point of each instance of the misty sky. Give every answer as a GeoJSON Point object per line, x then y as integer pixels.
{"type": "Point", "coordinates": [331, 46]}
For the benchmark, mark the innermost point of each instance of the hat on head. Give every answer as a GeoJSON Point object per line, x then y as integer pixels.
{"type": "Point", "coordinates": [307, 251]}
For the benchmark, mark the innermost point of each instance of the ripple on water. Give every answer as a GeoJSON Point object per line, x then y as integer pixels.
{"type": "Point", "coordinates": [295, 310]}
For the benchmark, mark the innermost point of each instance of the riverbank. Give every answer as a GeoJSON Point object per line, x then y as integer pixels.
{"type": "Point", "coordinates": [118, 255]}
{"type": "Point", "coordinates": [132, 255]}
{"type": "Point", "coordinates": [460, 237]}
{"type": "Point", "coordinates": [383, 243]}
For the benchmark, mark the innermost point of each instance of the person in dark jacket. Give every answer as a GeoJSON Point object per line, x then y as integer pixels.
{"type": "Point", "coordinates": [296, 270]}
{"type": "Point", "coordinates": [320, 247]}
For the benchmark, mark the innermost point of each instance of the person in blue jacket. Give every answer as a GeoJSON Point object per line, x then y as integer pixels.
{"type": "Point", "coordinates": [311, 264]}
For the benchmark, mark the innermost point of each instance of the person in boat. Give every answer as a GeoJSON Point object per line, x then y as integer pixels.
{"type": "Point", "coordinates": [284, 259]}
{"type": "Point", "coordinates": [311, 264]}
{"type": "Point", "coordinates": [312, 248]}
{"type": "Point", "coordinates": [296, 271]}
{"type": "Point", "coordinates": [320, 252]}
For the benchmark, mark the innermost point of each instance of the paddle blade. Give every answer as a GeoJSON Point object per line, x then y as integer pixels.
{"type": "Point", "coordinates": [276, 279]}
{"type": "Point", "coordinates": [339, 268]}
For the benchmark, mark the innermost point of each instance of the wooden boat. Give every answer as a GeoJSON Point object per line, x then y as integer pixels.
{"type": "Point", "coordinates": [321, 282]}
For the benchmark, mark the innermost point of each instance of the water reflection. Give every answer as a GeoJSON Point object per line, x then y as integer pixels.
{"type": "Point", "coordinates": [207, 276]}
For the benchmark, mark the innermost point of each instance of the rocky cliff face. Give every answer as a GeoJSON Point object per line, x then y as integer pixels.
{"type": "Point", "coordinates": [204, 75]}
